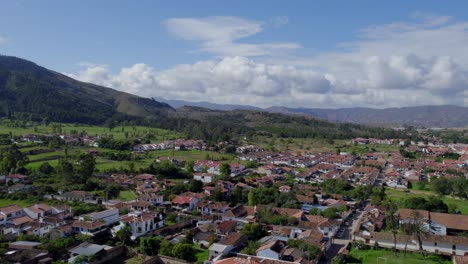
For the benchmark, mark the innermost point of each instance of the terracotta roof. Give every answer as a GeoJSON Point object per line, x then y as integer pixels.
{"type": "Point", "coordinates": [143, 217]}
{"type": "Point", "coordinates": [452, 221]}
{"type": "Point", "coordinates": [407, 213]}
{"type": "Point", "coordinates": [227, 226]}
{"type": "Point", "coordinates": [233, 239]}
{"type": "Point", "coordinates": [10, 209]}
{"type": "Point", "coordinates": [43, 207]}
{"type": "Point", "coordinates": [180, 200]}
{"type": "Point", "coordinates": [34, 209]}
{"type": "Point", "coordinates": [88, 224]}
{"type": "Point", "coordinates": [22, 220]}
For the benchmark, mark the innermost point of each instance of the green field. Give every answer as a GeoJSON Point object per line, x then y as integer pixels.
{"type": "Point", "coordinates": [372, 256]}
{"type": "Point", "coordinates": [400, 195]}
{"type": "Point", "coordinates": [202, 254]}
{"type": "Point", "coordinates": [127, 195]}
{"type": "Point", "coordinates": [20, 203]}
{"type": "Point", "coordinates": [118, 132]}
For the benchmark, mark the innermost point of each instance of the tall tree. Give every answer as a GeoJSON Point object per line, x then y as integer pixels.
{"type": "Point", "coordinates": [392, 220]}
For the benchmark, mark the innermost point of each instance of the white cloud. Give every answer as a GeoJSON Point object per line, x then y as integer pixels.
{"type": "Point", "coordinates": [399, 64]}
{"type": "Point", "coordinates": [280, 21]}
{"type": "Point", "coordinates": [221, 35]}
{"type": "Point", "coordinates": [3, 40]}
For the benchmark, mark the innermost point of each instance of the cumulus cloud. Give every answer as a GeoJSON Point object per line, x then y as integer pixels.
{"type": "Point", "coordinates": [230, 80]}
{"type": "Point", "coordinates": [221, 35]}
{"type": "Point", "coordinates": [400, 64]}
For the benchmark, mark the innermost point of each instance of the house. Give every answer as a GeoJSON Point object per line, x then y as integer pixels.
{"type": "Point", "coordinates": [327, 227]}
{"type": "Point", "coordinates": [142, 222]}
{"type": "Point", "coordinates": [209, 207]}
{"type": "Point", "coordinates": [109, 216]}
{"type": "Point", "coordinates": [10, 212]}
{"type": "Point", "coordinates": [226, 227]}
{"type": "Point", "coordinates": [449, 245]}
{"type": "Point", "coordinates": [151, 198]}
{"type": "Point", "coordinates": [285, 189]}
{"type": "Point", "coordinates": [77, 196]}
{"type": "Point", "coordinates": [183, 202]}
{"type": "Point", "coordinates": [226, 245]}
{"type": "Point", "coordinates": [87, 249]}
{"type": "Point", "coordinates": [241, 213]}
{"type": "Point", "coordinates": [204, 238]}
{"type": "Point", "coordinates": [204, 177]}
{"type": "Point", "coordinates": [16, 178]}
{"type": "Point", "coordinates": [90, 228]}
{"type": "Point", "coordinates": [273, 250]}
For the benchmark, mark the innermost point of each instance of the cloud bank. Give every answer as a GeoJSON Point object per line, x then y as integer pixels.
{"type": "Point", "coordinates": [398, 64]}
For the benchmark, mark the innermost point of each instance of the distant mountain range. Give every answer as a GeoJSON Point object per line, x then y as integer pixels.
{"type": "Point", "coordinates": [419, 116]}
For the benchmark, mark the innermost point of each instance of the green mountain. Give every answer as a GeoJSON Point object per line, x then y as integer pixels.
{"type": "Point", "coordinates": [27, 88]}
{"type": "Point", "coordinates": [33, 92]}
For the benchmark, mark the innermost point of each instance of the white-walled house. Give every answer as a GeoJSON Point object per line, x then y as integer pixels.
{"type": "Point", "coordinates": [272, 251]}
{"type": "Point", "coordinates": [204, 177]}
{"type": "Point", "coordinates": [9, 213]}
{"type": "Point", "coordinates": [450, 245]}
{"type": "Point", "coordinates": [142, 222]}
{"type": "Point", "coordinates": [109, 216]}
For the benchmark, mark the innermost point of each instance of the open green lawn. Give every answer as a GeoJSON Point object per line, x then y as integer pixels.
{"type": "Point", "coordinates": [400, 195]}
{"type": "Point", "coordinates": [118, 132]}
{"type": "Point", "coordinates": [47, 155]}
{"type": "Point", "coordinates": [202, 254]}
{"type": "Point", "coordinates": [127, 195]}
{"type": "Point", "coordinates": [21, 203]}
{"type": "Point", "coordinates": [192, 155]}
{"type": "Point", "coordinates": [387, 257]}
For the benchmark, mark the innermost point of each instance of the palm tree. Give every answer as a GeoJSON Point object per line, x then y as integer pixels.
{"type": "Point", "coordinates": [392, 220]}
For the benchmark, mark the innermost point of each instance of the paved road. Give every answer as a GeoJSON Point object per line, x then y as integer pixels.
{"type": "Point", "coordinates": [338, 243]}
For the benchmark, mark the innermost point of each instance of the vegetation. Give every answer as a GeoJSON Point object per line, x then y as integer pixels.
{"type": "Point", "coordinates": [371, 256]}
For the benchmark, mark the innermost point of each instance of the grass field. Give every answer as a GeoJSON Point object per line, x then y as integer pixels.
{"type": "Point", "coordinates": [118, 132]}
{"type": "Point", "coordinates": [399, 196]}
{"type": "Point", "coordinates": [387, 257]}
{"type": "Point", "coordinates": [127, 195]}
{"type": "Point", "coordinates": [202, 254]}
{"type": "Point", "coordinates": [21, 203]}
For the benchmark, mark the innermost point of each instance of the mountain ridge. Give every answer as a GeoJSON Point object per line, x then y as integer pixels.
{"type": "Point", "coordinates": [28, 88]}
{"type": "Point", "coordinates": [421, 116]}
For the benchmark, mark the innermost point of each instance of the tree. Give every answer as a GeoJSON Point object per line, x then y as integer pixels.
{"type": "Point", "coordinates": [84, 167]}
{"type": "Point", "coordinates": [329, 213]}
{"type": "Point", "coordinates": [11, 159]}
{"type": "Point", "coordinates": [195, 186]}
{"type": "Point", "coordinates": [418, 228]}
{"type": "Point", "coordinates": [165, 248]}
{"type": "Point", "coordinates": [45, 168]}
{"type": "Point", "coordinates": [253, 231]}
{"type": "Point", "coordinates": [392, 220]}
{"type": "Point", "coordinates": [442, 186]}
{"type": "Point", "coordinates": [124, 235]}
{"type": "Point", "coordinates": [189, 166]}
{"type": "Point", "coordinates": [225, 169]}
{"type": "Point", "coordinates": [184, 251]}
{"type": "Point", "coordinates": [150, 245]}
{"type": "Point", "coordinates": [251, 248]}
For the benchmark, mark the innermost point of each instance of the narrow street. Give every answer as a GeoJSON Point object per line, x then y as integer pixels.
{"type": "Point", "coordinates": [338, 243]}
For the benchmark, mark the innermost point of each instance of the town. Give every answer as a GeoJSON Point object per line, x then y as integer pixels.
{"type": "Point", "coordinates": [407, 198]}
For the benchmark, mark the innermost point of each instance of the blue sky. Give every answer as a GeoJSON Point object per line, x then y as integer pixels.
{"type": "Point", "coordinates": [264, 53]}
